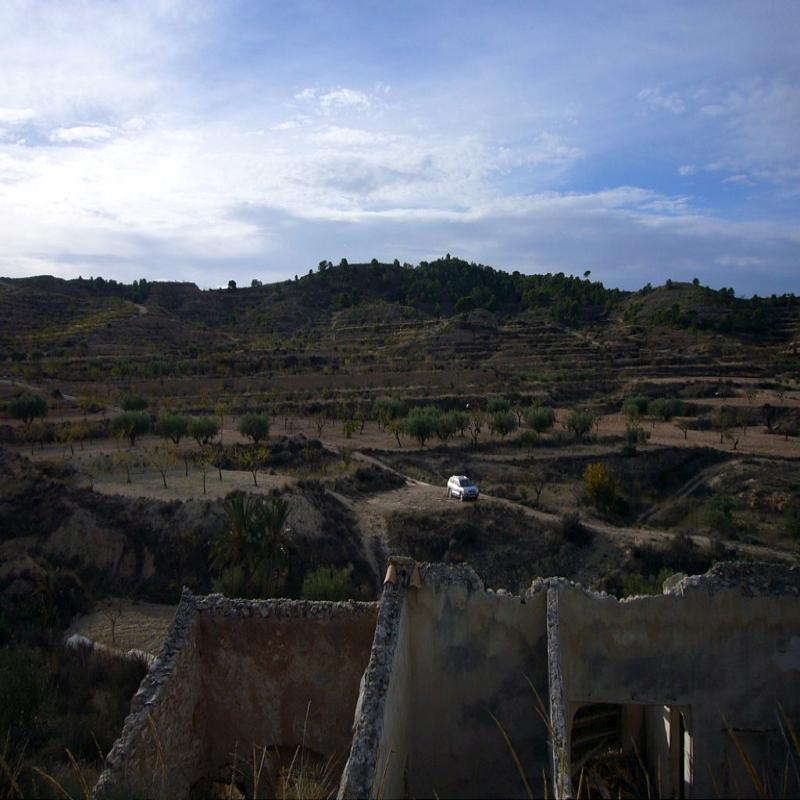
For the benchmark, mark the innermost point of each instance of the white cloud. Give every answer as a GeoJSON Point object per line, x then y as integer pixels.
{"type": "Point", "coordinates": [687, 169]}
{"type": "Point", "coordinates": [741, 179]}
{"type": "Point", "coordinates": [342, 99]}
{"type": "Point", "coordinates": [16, 116]}
{"type": "Point", "coordinates": [653, 97]}
{"type": "Point", "coordinates": [757, 137]}
{"type": "Point", "coordinates": [742, 262]}
{"type": "Point", "coordinates": [83, 134]}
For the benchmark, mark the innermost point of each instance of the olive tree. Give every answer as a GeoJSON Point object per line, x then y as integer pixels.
{"type": "Point", "coordinates": [580, 423]}
{"type": "Point", "coordinates": [27, 407]}
{"type": "Point", "coordinates": [203, 429]}
{"type": "Point", "coordinates": [254, 426]}
{"type": "Point", "coordinates": [130, 425]}
{"type": "Point", "coordinates": [421, 423]}
{"type": "Point", "coordinates": [540, 418]}
{"type": "Point", "coordinates": [173, 427]}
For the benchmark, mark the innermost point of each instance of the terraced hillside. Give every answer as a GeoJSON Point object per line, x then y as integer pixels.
{"type": "Point", "coordinates": [439, 327]}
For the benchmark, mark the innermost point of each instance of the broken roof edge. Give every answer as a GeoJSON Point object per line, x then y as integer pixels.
{"type": "Point", "coordinates": [752, 578]}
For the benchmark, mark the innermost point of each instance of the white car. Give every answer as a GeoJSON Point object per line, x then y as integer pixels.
{"type": "Point", "coordinates": [462, 487]}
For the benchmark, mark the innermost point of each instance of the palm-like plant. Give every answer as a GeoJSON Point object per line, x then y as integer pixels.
{"type": "Point", "coordinates": [255, 544]}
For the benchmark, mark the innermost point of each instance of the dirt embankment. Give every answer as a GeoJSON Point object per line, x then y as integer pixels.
{"type": "Point", "coordinates": [148, 548]}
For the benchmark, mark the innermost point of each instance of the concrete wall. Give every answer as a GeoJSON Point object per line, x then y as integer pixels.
{"type": "Point", "coordinates": [472, 655]}
{"type": "Point", "coordinates": [448, 656]}
{"type": "Point", "coordinates": [727, 647]}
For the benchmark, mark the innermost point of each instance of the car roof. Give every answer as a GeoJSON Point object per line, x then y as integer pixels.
{"type": "Point", "coordinates": [459, 477]}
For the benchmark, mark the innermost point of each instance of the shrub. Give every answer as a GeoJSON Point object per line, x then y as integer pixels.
{"type": "Point", "coordinates": [717, 513]}
{"type": "Point", "coordinates": [665, 408]}
{"type": "Point", "coordinates": [327, 583]}
{"type": "Point", "coordinates": [23, 689]}
{"type": "Point", "coordinates": [791, 518]}
{"type": "Point", "coordinates": [503, 422]}
{"type": "Point", "coordinates": [254, 426]}
{"type": "Point", "coordinates": [635, 407]}
{"type": "Point", "coordinates": [602, 486]}
{"type": "Point", "coordinates": [573, 530]}
{"type": "Point", "coordinates": [540, 419]}
{"type": "Point", "coordinates": [497, 405]}
{"type": "Point", "coordinates": [637, 583]}
{"type": "Point", "coordinates": [134, 402]}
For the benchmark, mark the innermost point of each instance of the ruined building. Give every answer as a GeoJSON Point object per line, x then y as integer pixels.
{"type": "Point", "coordinates": [444, 688]}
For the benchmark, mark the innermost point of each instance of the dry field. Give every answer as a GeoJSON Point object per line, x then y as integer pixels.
{"type": "Point", "coordinates": [139, 626]}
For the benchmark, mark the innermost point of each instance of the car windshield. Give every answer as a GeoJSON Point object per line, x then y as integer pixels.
{"type": "Point", "coordinates": [465, 482]}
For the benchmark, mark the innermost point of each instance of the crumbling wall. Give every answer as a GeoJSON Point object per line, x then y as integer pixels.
{"type": "Point", "coordinates": [725, 645]}
{"type": "Point", "coordinates": [478, 661]}
{"type": "Point", "coordinates": [454, 671]}
{"type": "Point", "coordinates": [452, 678]}
{"type": "Point", "coordinates": [377, 766]}
{"type": "Point", "coordinates": [282, 673]}
{"type": "Point", "coordinates": [162, 748]}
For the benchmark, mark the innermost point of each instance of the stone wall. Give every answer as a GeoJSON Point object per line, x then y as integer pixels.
{"type": "Point", "coordinates": [162, 748]}
{"type": "Point", "coordinates": [235, 675]}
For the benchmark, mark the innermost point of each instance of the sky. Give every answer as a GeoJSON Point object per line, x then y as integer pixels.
{"type": "Point", "coordinates": [210, 141]}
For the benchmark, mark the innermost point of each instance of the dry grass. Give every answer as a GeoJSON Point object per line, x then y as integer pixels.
{"type": "Point", "coordinates": [139, 626]}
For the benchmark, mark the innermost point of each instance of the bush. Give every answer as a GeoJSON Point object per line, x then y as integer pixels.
{"type": "Point", "coordinates": [665, 408]}
{"type": "Point", "coordinates": [717, 513]}
{"type": "Point", "coordinates": [635, 407]}
{"type": "Point", "coordinates": [254, 426]}
{"type": "Point", "coordinates": [134, 402]}
{"type": "Point", "coordinates": [23, 689]}
{"type": "Point", "coordinates": [497, 405]}
{"type": "Point", "coordinates": [327, 583]}
{"type": "Point", "coordinates": [503, 422]}
{"type": "Point", "coordinates": [791, 518]}
{"type": "Point", "coordinates": [540, 419]}
{"type": "Point", "coordinates": [446, 426]}
{"type": "Point", "coordinates": [602, 486]}
{"type": "Point", "coordinates": [573, 530]}
{"type": "Point", "coordinates": [637, 583]}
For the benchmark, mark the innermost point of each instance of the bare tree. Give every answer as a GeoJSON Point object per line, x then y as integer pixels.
{"type": "Point", "coordinates": [539, 480]}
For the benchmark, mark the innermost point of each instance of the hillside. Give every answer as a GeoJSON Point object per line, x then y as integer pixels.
{"type": "Point", "coordinates": [440, 324]}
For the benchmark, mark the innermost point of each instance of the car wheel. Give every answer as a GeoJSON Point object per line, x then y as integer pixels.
{"type": "Point", "coordinates": [461, 497]}
{"type": "Point", "coordinates": [449, 492]}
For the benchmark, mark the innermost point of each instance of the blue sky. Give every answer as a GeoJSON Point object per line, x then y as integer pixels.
{"type": "Point", "coordinates": [210, 141]}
